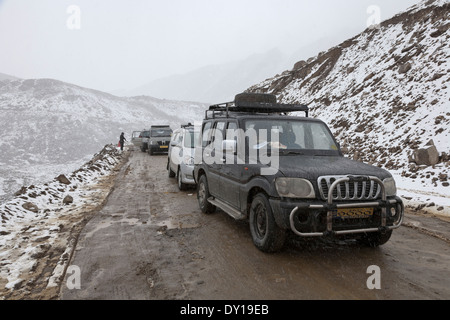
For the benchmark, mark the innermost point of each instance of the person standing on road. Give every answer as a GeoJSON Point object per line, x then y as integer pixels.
{"type": "Point", "coordinates": [122, 141]}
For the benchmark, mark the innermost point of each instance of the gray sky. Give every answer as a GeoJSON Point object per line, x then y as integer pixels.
{"type": "Point", "coordinates": [124, 44]}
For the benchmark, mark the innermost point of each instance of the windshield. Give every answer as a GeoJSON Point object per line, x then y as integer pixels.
{"type": "Point", "coordinates": [290, 135]}
{"type": "Point", "coordinates": [161, 132]}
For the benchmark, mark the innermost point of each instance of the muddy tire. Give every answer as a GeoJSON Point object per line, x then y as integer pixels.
{"type": "Point", "coordinates": [375, 239]}
{"type": "Point", "coordinates": [203, 195]}
{"type": "Point", "coordinates": [182, 186]}
{"type": "Point", "coordinates": [170, 172]}
{"type": "Point", "coordinates": [266, 234]}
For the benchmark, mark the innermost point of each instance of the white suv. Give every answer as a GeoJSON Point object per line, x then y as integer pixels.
{"type": "Point", "coordinates": [180, 162]}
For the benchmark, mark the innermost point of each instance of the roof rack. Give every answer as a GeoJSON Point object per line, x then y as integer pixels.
{"type": "Point", "coordinates": [187, 125]}
{"type": "Point", "coordinates": [255, 107]}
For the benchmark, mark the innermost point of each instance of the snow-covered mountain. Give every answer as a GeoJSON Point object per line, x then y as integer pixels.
{"type": "Point", "coordinates": [4, 76]}
{"type": "Point", "coordinates": [216, 83]}
{"type": "Point", "coordinates": [49, 127]}
{"type": "Point", "coordinates": [384, 93]}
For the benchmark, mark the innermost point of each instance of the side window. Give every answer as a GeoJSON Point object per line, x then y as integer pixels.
{"type": "Point", "coordinates": [231, 131]}
{"type": "Point", "coordinates": [219, 134]}
{"type": "Point", "coordinates": [206, 134]}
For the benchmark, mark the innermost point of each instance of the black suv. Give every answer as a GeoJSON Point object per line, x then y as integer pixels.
{"type": "Point", "coordinates": [159, 139]}
{"type": "Point", "coordinates": [286, 173]}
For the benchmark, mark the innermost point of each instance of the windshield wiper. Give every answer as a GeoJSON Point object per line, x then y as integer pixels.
{"type": "Point", "coordinates": [287, 152]}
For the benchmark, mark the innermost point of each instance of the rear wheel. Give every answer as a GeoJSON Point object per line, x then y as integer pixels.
{"type": "Point", "coordinates": [266, 234]}
{"type": "Point", "coordinates": [203, 196]}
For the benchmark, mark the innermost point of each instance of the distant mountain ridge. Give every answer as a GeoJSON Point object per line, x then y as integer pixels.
{"type": "Point", "coordinates": [46, 123]}
{"type": "Point", "coordinates": [4, 76]}
{"type": "Point", "coordinates": [215, 83]}
{"type": "Point", "coordinates": [384, 93]}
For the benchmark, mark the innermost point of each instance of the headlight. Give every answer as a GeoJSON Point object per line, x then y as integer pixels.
{"type": "Point", "coordinates": [188, 160]}
{"type": "Point", "coordinates": [295, 188]}
{"type": "Point", "coordinates": [389, 186]}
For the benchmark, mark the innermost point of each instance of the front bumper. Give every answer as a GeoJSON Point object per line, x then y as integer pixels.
{"type": "Point", "coordinates": [317, 219]}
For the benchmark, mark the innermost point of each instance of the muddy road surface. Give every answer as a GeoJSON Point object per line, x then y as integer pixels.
{"type": "Point", "coordinates": [150, 241]}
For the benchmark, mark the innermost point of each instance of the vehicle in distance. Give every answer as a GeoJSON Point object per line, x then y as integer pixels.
{"type": "Point", "coordinates": [144, 136]}
{"type": "Point", "coordinates": [180, 161]}
{"type": "Point", "coordinates": [159, 138]}
{"type": "Point", "coordinates": [136, 139]}
{"type": "Point", "coordinates": [287, 174]}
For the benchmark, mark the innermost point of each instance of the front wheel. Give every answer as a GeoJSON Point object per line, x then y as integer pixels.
{"type": "Point", "coordinates": [267, 235]}
{"type": "Point", "coordinates": [169, 170]}
{"type": "Point", "coordinates": [203, 196]}
{"type": "Point", "coordinates": [181, 185]}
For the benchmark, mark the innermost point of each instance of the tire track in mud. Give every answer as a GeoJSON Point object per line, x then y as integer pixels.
{"type": "Point", "coordinates": [129, 249]}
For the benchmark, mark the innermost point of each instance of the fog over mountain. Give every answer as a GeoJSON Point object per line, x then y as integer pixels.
{"type": "Point", "coordinates": [215, 83]}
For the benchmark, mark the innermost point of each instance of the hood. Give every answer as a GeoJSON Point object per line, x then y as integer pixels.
{"type": "Point", "coordinates": [312, 167]}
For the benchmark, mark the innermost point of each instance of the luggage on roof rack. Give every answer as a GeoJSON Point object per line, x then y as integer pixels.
{"type": "Point", "coordinates": [254, 105]}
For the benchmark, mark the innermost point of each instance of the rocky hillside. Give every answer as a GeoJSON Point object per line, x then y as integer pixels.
{"type": "Point", "coordinates": [48, 126]}
{"type": "Point", "coordinates": [384, 93]}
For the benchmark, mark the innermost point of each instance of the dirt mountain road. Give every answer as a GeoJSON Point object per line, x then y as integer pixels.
{"type": "Point", "coordinates": [150, 241]}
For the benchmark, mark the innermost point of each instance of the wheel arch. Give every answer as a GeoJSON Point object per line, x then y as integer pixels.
{"type": "Point", "coordinates": [252, 194]}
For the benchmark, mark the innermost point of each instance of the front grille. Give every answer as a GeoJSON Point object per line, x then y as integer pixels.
{"type": "Point", "coordinates": [361, 190]}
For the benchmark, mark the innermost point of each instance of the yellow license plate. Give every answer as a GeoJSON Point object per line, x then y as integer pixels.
{"type": "Point", "coordinates": [353, 213]}
{"type": "Point", "coordinates": [163, 147]}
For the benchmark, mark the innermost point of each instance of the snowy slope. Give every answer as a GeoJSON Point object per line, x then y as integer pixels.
{"type": "Point", "coordinates": [37, 226]}
{"type": "Point", "coordinates": [49, 127]}
{"type": "Point", "coordinates": [384, 93]}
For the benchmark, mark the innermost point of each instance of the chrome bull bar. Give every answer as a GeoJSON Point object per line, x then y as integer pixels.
{"type": "Point", "coordinates": [330, 207]}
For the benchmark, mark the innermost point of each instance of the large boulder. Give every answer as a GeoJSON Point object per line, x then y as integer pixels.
{"type": "Point", "coordinates": [67, 200]}
{"type": "Point", "coordinates": [300, 64]}
{"type": "Point", "coordinates": [404, 68]}
{"type": "Point", "coordinates": [30, 207]}
{"type": "Point", "coordinates": [427, 155]}
{"type": "Point", "coordinates": [63, 179]}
